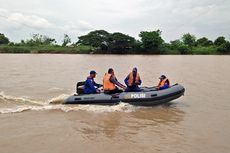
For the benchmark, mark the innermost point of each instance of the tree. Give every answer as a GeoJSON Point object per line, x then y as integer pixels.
{"type": "Point", "coordinates": [38, 39]}
{"type": "Point", "coordinates": [66, 40]}
{"type": "Point", "coordinates": [22, 42]}
{"type": "Point", "coordinates": [204, 42]}
{"type": "Point", "coordinates": [137, 48]}
{"type": "Point", "coordinates": [151, 40]}
{"type": "Point", "coordinates": [224, 48]}
{"type": "Point", "coordinates": [220, 41]}
{"type": "Point", "coordinates": [3, 39]}
{"type": "Point", "coordinates": [120, 42]}
{"type": "Point", "coordinates": [94, 38]}
{"type": "Point", "coordinates": [104, 46]}
{"type": "Point", "coordinates": [174, 45]}
{"type": "Point", "coordinates": [189, 39]}
{"type": "Point", "coordinates": [48, 41]}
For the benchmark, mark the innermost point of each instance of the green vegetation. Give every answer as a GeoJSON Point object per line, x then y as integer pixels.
{"type": "Point", "coordinates": [3, 39]}
{"type": "Point", "coordinates": [151, 41]}
{"type": "Point", "coordinates": [189, 40]}
{"type": "Point", "coordinates": [103, 42]}
{"type": "Point", "coordinates": [42, 44]}
{"type": "Point", "coordinates": [94, 38]}
{"type": "Point", "coordinates": [66, 40]}
{"type": "Point", "coordinates": [81, 49]}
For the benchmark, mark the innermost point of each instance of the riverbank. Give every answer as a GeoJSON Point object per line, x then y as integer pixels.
{"type": "Point", "coordinates": [45, 49]}
{"type": "Point", "coordinates": [83, 49]}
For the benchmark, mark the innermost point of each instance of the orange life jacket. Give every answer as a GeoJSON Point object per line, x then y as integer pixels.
{"type": "Point", "coordinates": [107, 84]}
{"type": "Point", "coordinates": [131, 78]}
{"type": "Point", "coordinates": [162, 82]}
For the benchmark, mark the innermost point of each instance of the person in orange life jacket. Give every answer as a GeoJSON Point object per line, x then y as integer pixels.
{"type": "Point", "coordinates": [110, 83]}
{"type": "Point", "coordinates": [164, 83]}
{"type": "Point", "coordinates": [132, 81]}
{"type": "Point", "coordinates": [89, 87]}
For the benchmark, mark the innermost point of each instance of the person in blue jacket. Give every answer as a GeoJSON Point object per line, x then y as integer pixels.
{"type": "Point", "coordinates": [90, 84]}
{"type": "Point", "coordinates": [132, 81]}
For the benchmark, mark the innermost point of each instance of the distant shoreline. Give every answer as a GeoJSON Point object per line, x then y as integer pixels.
{"type": "Point", "coordinates": [92, 53]}
{"type": "Point", "coordinates": [103, 42]}
{"type": "Point", "coordinates": [77, 50]}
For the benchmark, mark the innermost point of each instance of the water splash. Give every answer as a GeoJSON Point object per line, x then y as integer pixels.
{"type": "Point", "coordinates": [122, 107]}
{"type": "Point", "coordinates": [56, 89]}
{"type": "Point", "coordinates": [25, 104]}
{"type": "Point", "coordinates": [22, 100]}
{"type": "Point", "coordinates": [59, 99]}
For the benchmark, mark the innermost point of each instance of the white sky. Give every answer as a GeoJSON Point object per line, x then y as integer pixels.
{"type": "Point", "coordinates": [20, 19]}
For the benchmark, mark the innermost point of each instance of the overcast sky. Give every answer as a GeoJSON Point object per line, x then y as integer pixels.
{"type": "Point", "coordinates": [19, 19]}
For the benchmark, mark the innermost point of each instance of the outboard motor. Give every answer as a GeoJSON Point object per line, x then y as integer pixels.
{"type": "Point", "coordinates": [80, 88]}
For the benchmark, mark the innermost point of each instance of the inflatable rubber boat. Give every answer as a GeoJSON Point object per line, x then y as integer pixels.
{"type": "Point", "coordinates": [149, 96]}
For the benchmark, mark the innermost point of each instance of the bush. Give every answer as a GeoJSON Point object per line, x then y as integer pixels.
{"type": "Point", "coordinates": [204, 50]}
{"type": "Point", "coordinates": [184, 49]}
{"type": "Point", "coordinates": [167, 49]}
{"type": "Point", "coordinates": [14, 49]}
{"type": "Point", "coordinates": [55, 49]}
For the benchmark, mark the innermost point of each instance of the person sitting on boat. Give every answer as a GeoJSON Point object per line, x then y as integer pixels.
{"type": "Point", "coordinates": [110, 83]}
{"type": "Point", "coordinates": [90, 84]}
{"type": "Point", "coordinates": [164, 83]}
{"type": "Point", "coordinates": [132, 81]}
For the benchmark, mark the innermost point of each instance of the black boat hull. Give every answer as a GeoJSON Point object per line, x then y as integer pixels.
{"type": "Point", "coordinates": [148, 97]}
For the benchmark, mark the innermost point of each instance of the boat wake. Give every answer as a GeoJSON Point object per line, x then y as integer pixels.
{"type": "Point", "coordinates": [19, 100]}
{"type": "Point", "coordinates": [23, 104]}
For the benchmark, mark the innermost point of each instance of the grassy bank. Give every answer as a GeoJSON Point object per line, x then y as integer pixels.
{"type": "Point", "coordinates": [46, 49]}
{"type": "Point", "coordinates": [83, 49]}
{"type": "Point", "coordinates": [198, 50]}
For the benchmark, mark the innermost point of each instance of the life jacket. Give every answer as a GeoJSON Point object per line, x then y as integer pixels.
{"type": "Point", "coordinates": [107, 84]}
{"type": "Point", "coordinates": [162, 82]}
{"type": "Point", "coordinates": [131, 78]}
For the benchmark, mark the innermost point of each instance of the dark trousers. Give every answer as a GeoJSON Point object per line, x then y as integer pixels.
{"type": "Point", "coordinates": [133, 89]}
{"type": "Point", "coordinates": [116, 90]}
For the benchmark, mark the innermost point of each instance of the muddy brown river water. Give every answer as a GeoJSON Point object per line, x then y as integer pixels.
{"type": "Point", "coordinates": [197, 122]}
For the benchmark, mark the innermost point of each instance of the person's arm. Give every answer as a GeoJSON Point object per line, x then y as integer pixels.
{"type": "Point", "coordinates": [114, 80]}
{"type": "Point", "coordinates": [91, 85]}
{"type": "Point", "coordinates": [96, 84]}
{"type": "Point", "coordinates": [126, 81]}
{"type": "Point", "coordinates": [140, 82]}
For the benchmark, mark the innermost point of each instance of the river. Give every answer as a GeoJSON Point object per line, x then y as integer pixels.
{"type": "Point", "coordinates": [197, 122]}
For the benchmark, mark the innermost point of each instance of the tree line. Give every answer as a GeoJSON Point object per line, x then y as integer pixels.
{"type": "Point", "coordinates": [151, 42]}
